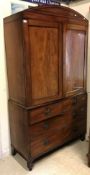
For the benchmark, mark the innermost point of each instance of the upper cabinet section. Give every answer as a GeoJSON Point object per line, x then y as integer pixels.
{"type": "Point", "coordinates": [46, 54]}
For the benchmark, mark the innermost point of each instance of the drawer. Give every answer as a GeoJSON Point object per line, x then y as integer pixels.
{"type": "Point", "coordinates": [82, 98]}
{"type": "Point", "coordinates": [79, 127]}
{"type": "Point", "coordinates": [50, 141]}
{"type": "Point", "coordinates": [49, 111]}
{"type": "Point", "coordinates": [78, 113]}
{"type": "Point", "coordinates": [82, 109]}
{"type": "Point", "coordinates": [51, 125]}
{"type": "Point", "coordinates": [79, 100]}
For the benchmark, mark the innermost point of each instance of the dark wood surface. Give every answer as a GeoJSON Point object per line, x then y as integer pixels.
{"type": "Point", "coordinates": [49, 111]}
{"type": "Point", "coordinates": [74, 59]}
{"type": "Point", "coordinates": [46, 49]}
{"type": "Point", "coordinates": [44, 54]}
{"type": "Point", "coordinates": [15, 61]}
{"type": "Point", "coordinates": [18, 128]}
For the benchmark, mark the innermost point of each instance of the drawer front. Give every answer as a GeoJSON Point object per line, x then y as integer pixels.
{"type": "Point", "coordinates": [50, 125]}
{"type": "Point", "coordinates": [79, 113]}
{"type": "Point", "coordinates": [79, 127]}
{"type": "Point", "coordinates": [79, 100]}
{"type": "Point", "coordinates": [82, 98]}
{"type": "Point", "coordinates": [49, 111]}
{"type": "Point", "coordinates": [50, 141]}
{"type": "Point", "coordinates": [79, 109]}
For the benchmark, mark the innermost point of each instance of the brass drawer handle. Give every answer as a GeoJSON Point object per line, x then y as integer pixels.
{"type": "Point", "coordinates": [47, 112]}
{"type": "Point", "coordinates": [46, 126]}
{"type": "Point", "coordinates": [46, 142]}
{"type": "Point", "coordinates": [63, 112]}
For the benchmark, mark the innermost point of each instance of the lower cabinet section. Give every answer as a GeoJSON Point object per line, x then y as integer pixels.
{"type": "Point", "coordinates": [39, 130]}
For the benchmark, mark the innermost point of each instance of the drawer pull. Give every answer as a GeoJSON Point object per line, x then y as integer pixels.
{"type": "Point", "coordinates": [46, 126]}
{"type": "Point", "coordinates": [47, 112]}
{"type": "Point", "coordinates": [62, 113]}
{"type": "Point", "coordinates": [46, 142]}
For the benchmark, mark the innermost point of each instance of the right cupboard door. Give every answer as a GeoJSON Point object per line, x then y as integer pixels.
{"type": "Point", "coordinates": [74, 62]}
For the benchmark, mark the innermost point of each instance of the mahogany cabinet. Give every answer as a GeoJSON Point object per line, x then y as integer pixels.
{"type": "Point", "coordinates": [46, 51]}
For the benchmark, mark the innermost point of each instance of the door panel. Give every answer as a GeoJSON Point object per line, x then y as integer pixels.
{"type": "Point", "coordinates": [74, 59]}
{"type": "Point", "coordinates": [44, 63]}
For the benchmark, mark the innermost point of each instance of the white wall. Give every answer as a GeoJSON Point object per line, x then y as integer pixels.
{"type": "Point", "coordinates": [5, 10]}
{"type": "Point", "coordinates": [4, 127]}
{"type": "Point", "coordinates": [83, 7]}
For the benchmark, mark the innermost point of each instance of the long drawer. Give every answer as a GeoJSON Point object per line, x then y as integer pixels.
{"type": "Point", "coordinates": [49, 141]}
{"type": "Point", "coordinates": [43, 113]}
{"type": "Point", "coordinates": [51, 125]}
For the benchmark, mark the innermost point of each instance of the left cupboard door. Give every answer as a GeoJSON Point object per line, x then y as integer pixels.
{"type": "Point", "coordinates": [45, 62]}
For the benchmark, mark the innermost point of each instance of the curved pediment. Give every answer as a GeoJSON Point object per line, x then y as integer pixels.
{"type": "Point", "coordinates": [55, 12]}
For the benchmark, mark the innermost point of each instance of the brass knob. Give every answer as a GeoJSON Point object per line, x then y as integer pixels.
{"type": "Point", "coordinates": [47, 112]}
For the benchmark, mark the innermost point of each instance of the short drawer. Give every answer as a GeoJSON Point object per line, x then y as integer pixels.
{"type": "Point", "coordinates": [79, 100]}
{"type": "Point", "coordinates": [51, 125]}
{"type": "Point", "coordinates": [82, 98]}
{"type": "Point", "coordinates": [50, 141]}
{"type": "Point", "coordinates": [49, 111]}
{"type": "Point", "coordinates": [79, 127]}
{"type": "Point", "coordinates": [79, 113]}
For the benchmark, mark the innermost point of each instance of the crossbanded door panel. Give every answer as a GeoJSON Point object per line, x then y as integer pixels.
{"type": "Point", "coordinates": [46, 79]}
{"type": "Point", "coordinates": [74, 59]}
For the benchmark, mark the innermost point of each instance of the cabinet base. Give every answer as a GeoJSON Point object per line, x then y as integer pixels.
{"type": "Point", "coordinates": [30, 164]}
{"type": "Point", "coordinates": [13, 151]}
{"type": "Point", "coordinates": [82, 137]}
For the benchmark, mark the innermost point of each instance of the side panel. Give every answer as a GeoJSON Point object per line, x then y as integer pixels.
{"type": "Point", "coordinates": [15, 60]}
{"type": "Point", "coordinates": [19, 128]}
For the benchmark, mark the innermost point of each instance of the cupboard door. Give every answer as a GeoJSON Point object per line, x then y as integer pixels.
{"type": "Point", "coordinates": [74, 59]}
{"type": "Point", "coordinates": [45, 63]}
